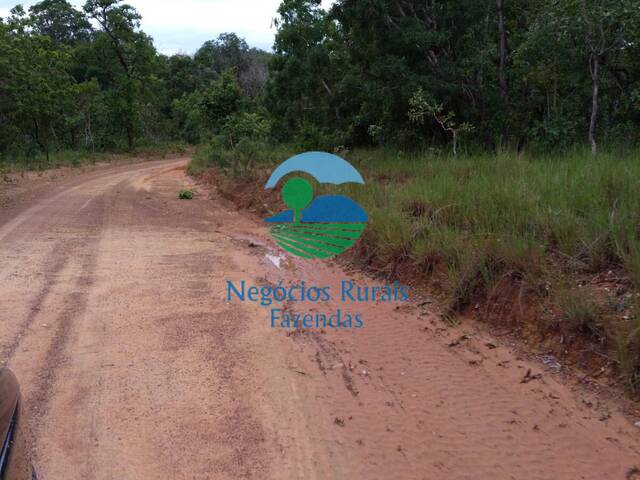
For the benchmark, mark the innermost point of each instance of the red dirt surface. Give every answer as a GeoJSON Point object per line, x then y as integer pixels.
{"type": "Point", "coordinates": [133, 365]}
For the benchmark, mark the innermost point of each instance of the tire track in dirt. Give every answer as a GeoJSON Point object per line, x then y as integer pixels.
{"type": "Point", "coordinates": [60, 255]}
{"type": "Point", "coordinates": [75, 304]}
{"type": "Point", "coordinates": [328, 357]}
{"type": "Point", "coordinates": [135, 350]}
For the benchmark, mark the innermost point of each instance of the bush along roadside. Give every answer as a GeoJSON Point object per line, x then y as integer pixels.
{"type": "Point", "coordinates": [546, 247]}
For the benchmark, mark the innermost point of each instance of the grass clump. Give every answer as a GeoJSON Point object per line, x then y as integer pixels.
{"type": "Point", "coordinates": [580, 313]}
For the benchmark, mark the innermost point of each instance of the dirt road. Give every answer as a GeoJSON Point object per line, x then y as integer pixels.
{"type": "Point", "coordinates": [133, 365]}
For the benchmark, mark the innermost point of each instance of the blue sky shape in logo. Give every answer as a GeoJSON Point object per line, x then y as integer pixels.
{"type": "Point", "coordinates": [324, 167]}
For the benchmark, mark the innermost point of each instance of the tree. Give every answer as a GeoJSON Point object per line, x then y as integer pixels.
{"type": "Point", "coordinates": [255, 73]}
{"type": "Point", "coordinates": [297, 193]}
{"type": "Point", "coordinates": [245, 125]}
{"type": "Point", "coordinates": [420, 107]}
{"type": "Point", "coordinates": [61, 22]}
{"type": "Point", "coordinates": [35, 87]}
{"type": "Point", "coordinates": [229, 51]}
{"type": "Point", "coordinates": [135, 56]}
{"type": "Point", "coordinates": [305, 71]}
{"type": "Point", "coordinates": [222, 99]}
{"type": "Point", "coordinates": [603, 28]}
{"type": "Point", "coordinates": [225, 52]}
{"type": "Point", "coordinates": [188, 118]}
{"type": "Point", "coordinates": [589, 34]}
{"type": "Point", "coordinates": [180, 76]}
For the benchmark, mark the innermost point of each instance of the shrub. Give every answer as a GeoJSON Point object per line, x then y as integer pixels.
{"type": "Point", "coordinates": [246, 155]}
{"type": "Point", "coordinates": [185, 195]}
{"type": "Point", "coordinates": [245, 126]}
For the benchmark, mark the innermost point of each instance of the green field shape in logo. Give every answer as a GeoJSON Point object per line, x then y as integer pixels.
{"type": "Point", "coordinates": [319, 240]}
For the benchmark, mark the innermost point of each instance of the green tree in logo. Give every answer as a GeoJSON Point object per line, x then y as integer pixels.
{"type": "Point", "coordinates": [297, 193]}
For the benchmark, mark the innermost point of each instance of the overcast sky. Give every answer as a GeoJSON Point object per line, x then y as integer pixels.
{"type": "Point", "coordinates": [183, 25]}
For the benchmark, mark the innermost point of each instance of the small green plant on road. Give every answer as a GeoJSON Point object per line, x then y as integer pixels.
{"type": "Point", "coordinates": [185, 195]}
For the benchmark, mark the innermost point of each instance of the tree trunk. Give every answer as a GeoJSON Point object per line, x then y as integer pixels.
{"type": "Point", "coordinates": [44, 146]}
{"type": "Point", "coordinates": [455, 143]}
{"type": "Point", "coordinates": [36, 131]}
{"type": "Point", "coordinates": [130, 137]}
{"type": "Point", "coordinates": [502, 34]}
{"type": "Point", "coordinates": [88, 133]}
{"type": "Point", "coordinates": [594, 66]}
{"type": "Point", "coordinates": [330, 92]}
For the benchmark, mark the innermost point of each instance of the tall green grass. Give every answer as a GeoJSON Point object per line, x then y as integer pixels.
{"type": "Point", "coordinates": [571, 212]}
{"type": "Point", "coordinates": [547, 221]}
{"type": "Point", "coordinates": [583, 211]}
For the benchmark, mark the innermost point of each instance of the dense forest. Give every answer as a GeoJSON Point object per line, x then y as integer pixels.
{"type": "Point", "coordinates": [481, 74]}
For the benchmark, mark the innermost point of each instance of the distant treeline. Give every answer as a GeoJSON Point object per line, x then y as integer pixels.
{"type": "Point", "coordinates": [544, 74]}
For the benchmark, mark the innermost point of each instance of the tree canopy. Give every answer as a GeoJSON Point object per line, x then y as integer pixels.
{"type": "Point", "coordinates": [447, 73]}
{"type": "Point", "coordinates": [547, 73]}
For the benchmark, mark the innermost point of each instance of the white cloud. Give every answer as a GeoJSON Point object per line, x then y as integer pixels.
{"type": "Point", "coordinates": [183, 26]}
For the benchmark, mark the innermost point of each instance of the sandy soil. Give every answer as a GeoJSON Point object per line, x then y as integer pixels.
{"type": "Point", "coordinates": [134, 366]}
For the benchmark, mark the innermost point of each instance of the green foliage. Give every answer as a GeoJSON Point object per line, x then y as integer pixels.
{"type": "Point", "coordinates": [422, 73]}
{"type": "Point", "coordinates": [185, 194]}
{"type": "Point", "coordinates": [223, 98]}
{"type": "Point", "coordinates": [303, 74]}
{"type": "Point", "coordinates": [245, 155]}
{"type": "Point", "coordinates": [244, 125]}
{"type": "Point", "coordinates": [36, 88]}
{"type": "Point", "coordinates": [542, 75]}
{"type": "Point", "coordinates": [58, 20]}
{"type": "Point", "coordinates": [92, 79]}
{"type": "Point", "coordinates": [188, 118]}
{"type": "Point", "coordinates": [420, 108]}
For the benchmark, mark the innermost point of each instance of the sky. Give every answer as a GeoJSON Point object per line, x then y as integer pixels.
{"type": "Point", "coordinates": [181, 26]}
